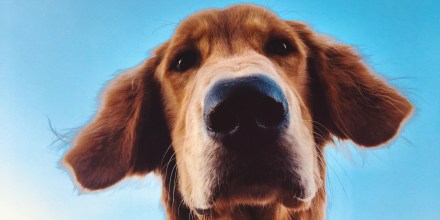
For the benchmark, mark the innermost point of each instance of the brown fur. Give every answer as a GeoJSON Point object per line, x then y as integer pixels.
{"type": "Point", "coordinates": [145, 120]}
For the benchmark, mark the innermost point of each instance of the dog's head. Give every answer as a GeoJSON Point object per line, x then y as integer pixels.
{"type": "Point", "coordinates": [244, 101]}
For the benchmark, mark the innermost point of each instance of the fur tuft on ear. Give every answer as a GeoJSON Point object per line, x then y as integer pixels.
{"type": "Point", "coordinates": [128, 134]}
{"type": "Point", "coordinates": [349, 99]}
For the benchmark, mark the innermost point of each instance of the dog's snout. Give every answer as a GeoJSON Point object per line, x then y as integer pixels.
{"type": "Point", "coordinates": [245, 108]}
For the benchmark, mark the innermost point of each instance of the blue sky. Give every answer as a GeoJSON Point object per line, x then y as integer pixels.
{"type": "Point", "coordinates": [56, 55]}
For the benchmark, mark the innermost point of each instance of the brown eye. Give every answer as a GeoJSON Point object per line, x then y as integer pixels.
{"type": "Point", "coordinates": [279, 46]}
{"type": "Point", "coordinates": [185, 60]}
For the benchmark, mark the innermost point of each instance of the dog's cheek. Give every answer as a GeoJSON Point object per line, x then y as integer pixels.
{"type": "Point", "coordinates": [304, 151]}
{"type": "Point", "coordinates": [191, 147]}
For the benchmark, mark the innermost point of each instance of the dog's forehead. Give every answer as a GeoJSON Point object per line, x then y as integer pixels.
{"type": "Point", "coordinates": [236, 22]}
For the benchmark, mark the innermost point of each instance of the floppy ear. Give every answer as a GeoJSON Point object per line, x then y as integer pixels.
{"type": "Point", "coordinates": [348, 98]}
{"type": "Point", "coordinates": [127, 136]}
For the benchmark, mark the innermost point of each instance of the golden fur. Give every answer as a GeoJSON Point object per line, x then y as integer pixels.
{"type": "Point", "coordinates": [151, 116]}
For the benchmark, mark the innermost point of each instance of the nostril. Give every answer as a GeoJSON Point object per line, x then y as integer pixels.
{"type": "Point", "coordinates": [222, 120]}
{"type": "Point", "coordinates": [270, 113]}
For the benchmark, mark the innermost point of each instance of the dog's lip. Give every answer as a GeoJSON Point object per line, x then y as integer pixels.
{"type": "Point", "coordinates": [259, 194]}
{"type": "Point", "coordinates": [296, 202]}
{"type": "Point", "coordinates": [291, 202]}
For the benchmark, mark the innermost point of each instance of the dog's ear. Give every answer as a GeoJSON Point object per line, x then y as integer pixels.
{"type": "Point", "coordinates": [348, 99]}
{"type": "Point", "coordinates": [127, 136]}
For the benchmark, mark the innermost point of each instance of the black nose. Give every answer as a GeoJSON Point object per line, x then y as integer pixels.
{"type": "Point", "coordinates": [246, 111]}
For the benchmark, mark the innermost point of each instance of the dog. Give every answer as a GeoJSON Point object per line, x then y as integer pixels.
{"type": "Point", "coordinates": [234, 113]}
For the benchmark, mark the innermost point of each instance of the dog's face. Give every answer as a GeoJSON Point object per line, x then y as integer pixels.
{"type": "Point", "coordinates": [245, 102]}
{"type": "Point", "coordinates": [236, 95]}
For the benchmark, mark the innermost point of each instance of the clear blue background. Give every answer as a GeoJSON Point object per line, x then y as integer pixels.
{"type": "Point", "coordinates": [56, 55]}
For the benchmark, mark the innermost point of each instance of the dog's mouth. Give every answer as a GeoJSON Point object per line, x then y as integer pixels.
{"type": "Point", "coordinates": [256, 195]}
{"type": "Point", "coordinates": [262, 194]}
{"type": "Point", "coordinates": [259, 189]}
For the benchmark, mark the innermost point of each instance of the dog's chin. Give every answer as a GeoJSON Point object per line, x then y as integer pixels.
{"type": "Point", "coordinates": [259, 196]}
{"type": "Point", "coordinates": [262, 195]}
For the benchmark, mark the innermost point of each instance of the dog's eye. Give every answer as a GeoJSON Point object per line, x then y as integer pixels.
{"type": "Point", "coordinates": [185, 60]}
{"type": "Point", "coordinates": [280, 47]}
